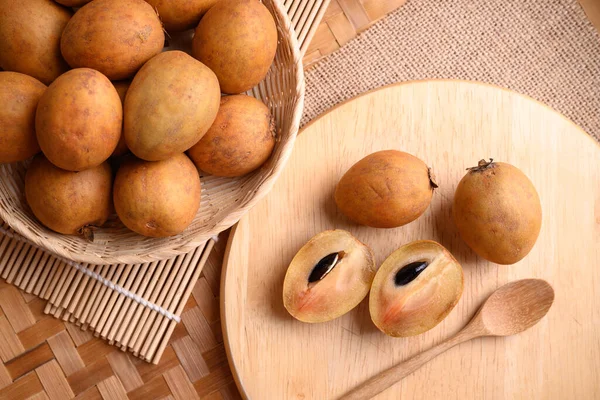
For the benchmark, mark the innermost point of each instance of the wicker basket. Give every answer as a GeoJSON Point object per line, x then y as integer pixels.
{"type": "Point", "coordinates": [224, 200]}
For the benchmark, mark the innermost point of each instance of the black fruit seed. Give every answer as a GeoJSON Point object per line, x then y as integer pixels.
{"type": "Point", "coordinates": [409, 272]}
{"type": "Point", "coordinates": [323, 267]}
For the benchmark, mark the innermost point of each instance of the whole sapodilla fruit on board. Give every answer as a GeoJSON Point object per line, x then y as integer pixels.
{"type": "Point", "coordinates": [30, 33]}
{"type": "Point", "coordinates": [157, 198]}
{"type": "Point", "coordinates": [385, 189]}
{"type": "Point", "coordinates": [19, 96]}
{"type": "Point", "coordinates": [497, 212]}
{"type": "Point", "coordinates": [68, 202]}
{"type": "Point", "coordinates": [237, 39]}
{"type": "Point", "coordinates": [79, 120]}
{"type": "Point", "coordinates": [115, 37]}
{"type": "Point", "coordinates": [170, 105]}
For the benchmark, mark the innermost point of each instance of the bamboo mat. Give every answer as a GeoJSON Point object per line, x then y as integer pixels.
{"type": "Point", "coordinates": [47, 358]}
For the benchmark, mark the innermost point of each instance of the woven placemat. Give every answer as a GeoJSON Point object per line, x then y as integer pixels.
{"type": "Point", "coordinates": [546, 49]}
{"type": "Point", "coordinates": [134, 307]}
{"type": "Point", "coordinates": [343, 20]}
{"type": "Point", "coordinates": [47, 358]}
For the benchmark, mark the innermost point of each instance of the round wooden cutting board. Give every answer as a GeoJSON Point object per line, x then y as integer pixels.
{"type": "Point", "coordinates": [450, 125]}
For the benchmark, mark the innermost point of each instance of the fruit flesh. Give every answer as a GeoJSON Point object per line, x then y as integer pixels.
{"type": "Point", "coordinates": [498, 212]}
{"type": "Point", "coordinates": [240, 139]}
{"type": "Point", "coordinates": [66, 201]}
{"type": "Point", "coordinates": [418, 305]}
{"type": "Point", "coordinates": [340, 290]}
{"type": "Point", "coordinates": [237, 39]}
{"type": "Point", "coordinates": [385, 189]}
{"type": "Point", "coordinates": [19, 96]}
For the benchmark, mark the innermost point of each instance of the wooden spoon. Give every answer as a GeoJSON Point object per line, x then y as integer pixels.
{"type": "Point", "coordinates": [511, 309]}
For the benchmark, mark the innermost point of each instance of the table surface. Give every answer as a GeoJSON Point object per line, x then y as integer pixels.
{"type": "Point", "coordinates": [43, 357]}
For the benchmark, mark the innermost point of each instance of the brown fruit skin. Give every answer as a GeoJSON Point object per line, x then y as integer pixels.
{"type": "Point", "coordinates": [30, 34]}
{"type": "Point", "coordinates": [78, 120]}
{"type": "Point", "coordinates": [121, 87]}
{"type": "Point", "coordinates": [157, 199]}
{"type": "Point", "coordinates": [73, 3]}
{"type": "Point", "coordinates": [239, 141]}
{"type": "Point", "coordinates": [419, 305]}
{"type": "Point", "coordinates": [19, 95]}
{"type": "Point", "coordinates": [180, 15]}
{"type": "Point", "coordinates": [385, 189]}
{"type": "Point", "coordinates": [237, 39]}
{"type": "Point", "coordinates": [338, 292]}
{"type": "Point", "coordinates": [498, 213]}
{"type": "Point", "coordinates": [115, 37]}
{"type": "Point", "coordinates": [66, 201]}
{"type": "Point", "coordinates": [170, 105]}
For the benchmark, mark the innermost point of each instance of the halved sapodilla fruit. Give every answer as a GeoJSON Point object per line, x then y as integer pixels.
{"type": "Point", "coordinates": [329, 276]}
{"type": "Point", "coordinates": [415, 288]}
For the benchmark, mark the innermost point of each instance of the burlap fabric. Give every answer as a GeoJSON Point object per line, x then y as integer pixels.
{"type": "Point", "coordinates": [546, 49]}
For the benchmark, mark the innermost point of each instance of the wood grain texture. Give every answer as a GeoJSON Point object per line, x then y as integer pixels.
{"type": "Point", "coordinates": [450, 125]}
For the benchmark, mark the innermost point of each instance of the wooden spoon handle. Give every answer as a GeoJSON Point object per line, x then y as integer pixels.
{"type": "Point", "coordinates": [387, 378]}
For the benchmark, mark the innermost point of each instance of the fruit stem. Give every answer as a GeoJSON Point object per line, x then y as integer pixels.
{"type": "Point", "coordinates": [432, 181]}
{"type": "Point", "coordinates": [87, 233]}
{"type": "Point", "coordinates": [482, 165]}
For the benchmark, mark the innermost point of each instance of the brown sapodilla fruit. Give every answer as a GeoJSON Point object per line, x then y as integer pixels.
{"type": "Point", "coordinates": [170, 105]}
{"type": "Point", "coordinates": [385, 189]}
{"type": "Point", "coordinates": [180, 15]}
{"type": "Point", "coordinates": [240, 139]}
{"type": "Point", "coordinates": [65, 201]}
{"type": "Point", "coordinates": [19, 96]}
{"type": "Point", "coordinates": [115, 37]}
{"type": "Point", "coordinates": [73, 3]}
{"type": "Point", "coordinates": [415, 288]}
{"type": "Point", "coordinates": [159, 198]}
{"type": "Point", "coordinates": [79, 120]}
{"type": "Point", "coordinates": [497, 212]}
{"type": "Point", "coordinates": [30, 34]}
{"type": "Point", "coordinates": [329, 276]}
{"type": "Point", "coordinates": [237, 39]}
{"type": "Point", "coordinates": [121, 87]}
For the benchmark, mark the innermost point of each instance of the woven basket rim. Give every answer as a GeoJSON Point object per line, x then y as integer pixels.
{"type": "Point", "coordinates": [180, 245]}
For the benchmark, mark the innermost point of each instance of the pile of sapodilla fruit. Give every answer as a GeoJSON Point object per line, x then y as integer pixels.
{"type": "Point", "coordinates": [124, 94]}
